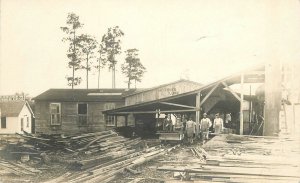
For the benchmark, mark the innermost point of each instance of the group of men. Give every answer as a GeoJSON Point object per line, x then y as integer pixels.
{"type": "Point", "coordinates": [194, 130]}
{"type": "Point", "coordinates": [200, 130]}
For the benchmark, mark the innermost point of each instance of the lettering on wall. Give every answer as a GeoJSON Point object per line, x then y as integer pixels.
{"type": "Point", "coordinates": [168, 91]}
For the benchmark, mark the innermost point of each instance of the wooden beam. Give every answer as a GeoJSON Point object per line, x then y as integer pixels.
{"type": "Point", "coordinates": [198, 107]}
{"type": "Point", "coordinates": [231, 91]}
{"type": "Point", "coordinates": [153, 112]}
{"type": "Point", "coordinates": [178, 105]}
{"type": "Point", "coordinates": [209, 93]}
{"type": "Point", "coordinates": [126, 120]}
{"type": "Point", "coordinates": [241, 106]}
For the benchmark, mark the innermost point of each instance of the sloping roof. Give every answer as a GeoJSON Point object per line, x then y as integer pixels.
{"type": "Point", "coordinates": [234, 78]}
{"type": "Point", "coordinates": [85, 95]}
{"type": "Point", "coordinates": [11, 108]}
{"type": "Point", "coordinates": [163, 85]}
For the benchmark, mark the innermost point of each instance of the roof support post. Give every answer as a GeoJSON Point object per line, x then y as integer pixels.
{"type": "Point", "coordinates": [126, 120]}
{"type": "Point", "coordinates": [241, 106]}
{"type": "Point", "coordinates": [198, 107]}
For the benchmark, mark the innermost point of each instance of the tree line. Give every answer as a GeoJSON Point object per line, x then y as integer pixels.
{"type": "Point", "coordinates": [86, 53]}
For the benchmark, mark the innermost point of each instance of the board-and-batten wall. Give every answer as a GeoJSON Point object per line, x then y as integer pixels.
{"type": "Point", "coordinates": [161, 92]}
{"type": "Point", "coordinates": [69, 117]}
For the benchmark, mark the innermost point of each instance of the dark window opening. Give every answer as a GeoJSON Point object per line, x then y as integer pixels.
{"type": "Point", "coordinates": [55, 114]}
{"type": "Point", "coordinates": [82, 114]}
{"type": "Point", "coordinates": [109, 119]}
{"type": "Point", "coordinates": [3, 122]}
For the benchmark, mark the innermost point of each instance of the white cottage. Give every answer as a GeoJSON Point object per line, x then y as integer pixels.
{"type": "Point", "coordinates": [16, 117]}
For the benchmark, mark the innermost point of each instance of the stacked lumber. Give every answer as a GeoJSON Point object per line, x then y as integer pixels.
{"type": "Point", "coordinates": [83, 143]}
{"type": "Point", "coordinates": [106, 172]}
{"type": "Point", "coordinates": [77, 152]}
{"type": "Point", "coordinates": [232, 158]}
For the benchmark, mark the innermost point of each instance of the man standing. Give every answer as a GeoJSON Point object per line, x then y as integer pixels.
{"type": "Point", "coordinates": [218, 124]}
{"type": "Point", "coordinates": [197, 130]}
{"type": "Point", "coordinates": [190, 130]}
{"type": "Point", "coordinates": [168, 123]}
{"type": "Point", "coordinates": [205, 124]}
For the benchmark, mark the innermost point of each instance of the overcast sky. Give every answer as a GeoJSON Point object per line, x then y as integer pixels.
{"type": "Point", "coordinates": [202, 40]}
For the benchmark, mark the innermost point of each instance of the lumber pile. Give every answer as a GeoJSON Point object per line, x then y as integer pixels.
{"type": "Point", "coordinates": [233, 158]}
{"type": "Point", "coordinates": [76, 152]}
{"type": "Point", "coordinates": [106, 172]}
{"type": "Point", "coordinates": [89, 143]}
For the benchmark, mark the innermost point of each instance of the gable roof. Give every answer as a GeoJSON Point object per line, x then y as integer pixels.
{"type": "Point", "coordinates": [12, 108]}
{"type": "Point", "coordinates": [163, 85]}
{"type": "Point", "coordinates": [84, 95]}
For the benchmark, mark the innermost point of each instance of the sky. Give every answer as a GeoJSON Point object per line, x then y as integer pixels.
{"type": "Point", "coordinates": [195, 39]}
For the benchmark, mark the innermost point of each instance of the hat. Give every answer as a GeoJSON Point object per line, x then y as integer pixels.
{"type": "Point", "coordinates": [204, 114]}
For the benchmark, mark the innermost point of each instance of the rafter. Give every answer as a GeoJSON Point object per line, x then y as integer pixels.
{"type": "Point", "coordinates": [209, 93]}
{"type": "Point", "coordinates": [178, 105]}
{"type": "Point", "coordinates": [231, 91]}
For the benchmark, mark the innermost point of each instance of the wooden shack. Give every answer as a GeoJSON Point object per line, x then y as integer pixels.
{"type": "Point", "coordinates": [78, 110]}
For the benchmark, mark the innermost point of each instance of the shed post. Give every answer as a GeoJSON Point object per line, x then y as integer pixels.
{"type": "Point", "coordinates": [198, 107]}
{"type": "Point", "coordinates": [241, 105]}
{"type": "Point", "coordinates": [126, 120]}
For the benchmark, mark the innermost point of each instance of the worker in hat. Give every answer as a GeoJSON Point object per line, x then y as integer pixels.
{"type": "Point", "coordinates": [190, 130]}
{"type": "Point", "coordinates": [218, 124]}
{"type": "Point", "coordinates": [205, 124]}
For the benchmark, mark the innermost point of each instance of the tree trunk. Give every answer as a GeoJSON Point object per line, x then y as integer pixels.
{"type": "Point", "coordinates": [99, 72]}
{"type": "Point", "coordinates": [87, 71]}
{"type": "Point", "coordinates": [128, 83]}
{"type": "Point", "coordinates": [129, 76]}
{"type": "Point", "coordinates": [73, 75]}
{"type": "Point", "coordinates": [113, 76]}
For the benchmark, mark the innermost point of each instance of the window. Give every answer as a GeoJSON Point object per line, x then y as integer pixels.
{"type": "Point", "coordinates": [3, 122]}
{"type": "Point", "coordinates": [55, 114]}
{"type": "Point", "coordinates": [109, 119]}
{"type": "Point", "coordinates": [27, 124]}
{"type": "Point", "coordinates": [82, 114]}
{"type": "Point", "coordinates": [22, 124]}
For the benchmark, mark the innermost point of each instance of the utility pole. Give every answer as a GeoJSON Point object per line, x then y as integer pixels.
{"type": "Point", "coordinates": [272, 98]}
{"type": "Point", "coordinates": [273, 68]}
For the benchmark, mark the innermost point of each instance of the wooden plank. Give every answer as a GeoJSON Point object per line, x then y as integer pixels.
{"type": "Point", "coordinates": [154, 112]}
{"type": "Point", "coordinates": [178, 105]}
{"type": "Point", "coordinates": [209, 93]}
{"type": "Point", "coordinates": [231, 91]}
{"type": "Point", "coordinates": [241, 106]}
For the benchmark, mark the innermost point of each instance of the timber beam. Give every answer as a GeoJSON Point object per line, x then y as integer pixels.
{"type": "Point", "coordinates": [231, 91]}
{"type": "Point", "coordinates": [209, 93]}
{"type": "Point", "coordinates": [154, 112]}
{"type": "Point", "coordinates": [178, 105]}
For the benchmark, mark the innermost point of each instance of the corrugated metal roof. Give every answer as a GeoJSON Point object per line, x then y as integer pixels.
{"type": "Point", "coordinates": [86, 95]}
{"type": "Point", "coordinates": [11, 108]}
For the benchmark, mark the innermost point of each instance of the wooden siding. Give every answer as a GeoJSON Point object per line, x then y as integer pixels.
{"type": "Point", "coordinates": [69, 117]}
{"type": "Point", "coordinates": [161, 92]}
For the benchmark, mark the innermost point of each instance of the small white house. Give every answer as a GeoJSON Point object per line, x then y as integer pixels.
{"type": "Point", "coordinates": [16, 117]}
